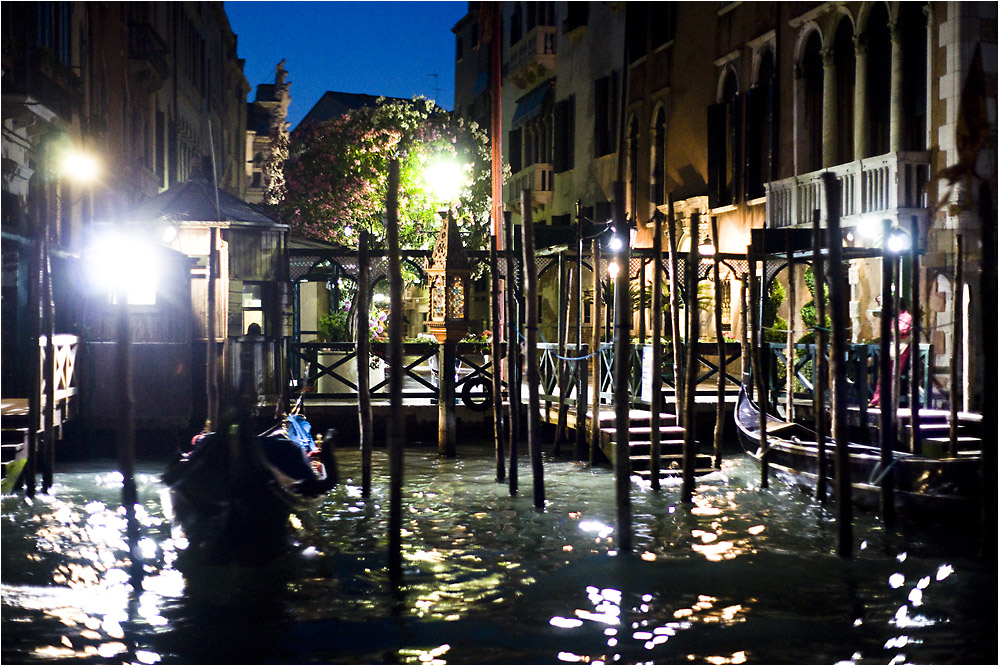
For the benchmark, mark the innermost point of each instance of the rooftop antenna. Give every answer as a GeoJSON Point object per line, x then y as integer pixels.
{"type": "Point", "coordinates": [437, 87]}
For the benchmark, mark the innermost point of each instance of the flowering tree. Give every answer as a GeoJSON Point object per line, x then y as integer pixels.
{"type": "Point", "coordinates": [336, 175]}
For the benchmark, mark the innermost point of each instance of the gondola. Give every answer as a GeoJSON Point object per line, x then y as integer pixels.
{"type": "Point", "coordinates": [233, 492]}
{"type": "Point", "coordinates": [921, 483]}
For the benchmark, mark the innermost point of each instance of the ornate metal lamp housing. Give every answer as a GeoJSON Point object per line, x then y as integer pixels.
{"type": "Point", "coordinates": [449, 277]}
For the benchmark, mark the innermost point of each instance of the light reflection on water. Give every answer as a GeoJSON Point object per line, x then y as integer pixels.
{"type": "Point", "coordinates": [744, 575]}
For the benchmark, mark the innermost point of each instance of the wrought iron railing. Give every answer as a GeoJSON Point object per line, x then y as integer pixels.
{"type": "Point", "coordinates": [862, 362]}
{"type": "Point", "coordinates": [706, 355]}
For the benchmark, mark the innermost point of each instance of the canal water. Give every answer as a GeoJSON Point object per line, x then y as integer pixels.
{"type": "Point", "coordinates": [744, 575]}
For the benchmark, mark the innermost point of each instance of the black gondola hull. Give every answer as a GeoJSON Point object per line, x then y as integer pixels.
{"type": "Point", "coordinates": [919, 482]}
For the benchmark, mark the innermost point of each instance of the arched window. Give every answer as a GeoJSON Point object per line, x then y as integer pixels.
{"type": "Point", "coordinates": [879, 80]}
{"type": "Point", "coordinates": [760, 129]}
{"type": "Point", "coordinates": [811, 139]}
{"type": "Point", "coordinates": [723, 140]}
{"type": "Point", "coordinates": [658, 156]}
{"type": "Point", "coordinates": [843, 58]}
{"type": "Point", "coordinates": [632, 154]}
{"type": "Point", "coordinates": [913, 29]}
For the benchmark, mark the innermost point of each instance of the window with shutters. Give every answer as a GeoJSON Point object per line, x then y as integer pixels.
{"type": "Point", "coordinates": [657, 195]}
{"type": "Point", "coordinates": [565, 134]}
{"type": "Point", "coordinates": [723, 136]}
{"type": "Point", "coordinates": [662, 16]}
{"type": "Point", "coordinates": [760, 135]}
{"type": "Point", "coordinates": [514, 154]}
{"type": "Point", "coordinates": [605, 96]}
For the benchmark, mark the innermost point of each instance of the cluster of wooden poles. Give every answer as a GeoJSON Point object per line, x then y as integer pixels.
{"type": "Point", "coordinates": [622, 399]}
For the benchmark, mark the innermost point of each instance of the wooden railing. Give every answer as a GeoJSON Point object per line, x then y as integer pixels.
{"type": "Point", "coordinates": [64, 368]}
{"type": "Point", "coordinates": [329, 371]}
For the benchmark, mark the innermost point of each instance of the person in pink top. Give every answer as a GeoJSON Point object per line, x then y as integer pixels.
{"type": "Point", "coordinates": [905, 322]}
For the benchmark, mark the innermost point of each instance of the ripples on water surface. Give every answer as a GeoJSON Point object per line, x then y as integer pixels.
{"type": "Point", "coordinates": [743, 576]}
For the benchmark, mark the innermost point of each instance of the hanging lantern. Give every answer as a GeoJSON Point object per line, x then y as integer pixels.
{"type": "Point", "coordinates": [449, 277]}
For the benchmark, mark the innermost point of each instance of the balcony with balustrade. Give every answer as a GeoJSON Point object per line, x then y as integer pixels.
{"type": "Point", "coordinates": [887, 186]}
{"type": "Point", "coordinates": [536, 177]}
{"type": "Point", "coordinates": [533, 57]}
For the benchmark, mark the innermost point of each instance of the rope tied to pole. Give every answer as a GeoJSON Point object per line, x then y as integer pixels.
{"type": "Point", "coordinates": [875, 478]}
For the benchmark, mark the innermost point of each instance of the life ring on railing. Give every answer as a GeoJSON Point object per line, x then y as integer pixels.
{"type": "Point", "coordinates": [472, 402]}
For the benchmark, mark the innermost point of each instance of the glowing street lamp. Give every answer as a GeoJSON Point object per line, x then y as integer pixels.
{"type": "Point", "coordinates": [705, 248]}
{"type": "Point", "coordinates": [80, 167]}
{"type": "Point", "coordinates": [126, 265]}
{"type": "Point", "coordinates": [445, 179]}
{"type": "Point", "coordinates": [449, 275]}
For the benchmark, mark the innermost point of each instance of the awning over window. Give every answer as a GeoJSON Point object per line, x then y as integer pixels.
{"type": "Point", "coordinates": [482, 80]}
{"type": "Point", "coordinates": [530, 106]}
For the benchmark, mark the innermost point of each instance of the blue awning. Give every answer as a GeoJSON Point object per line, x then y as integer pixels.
{"type": "Point", "coordinates": [482, 80]}
{"type": "Point", "coordinates": [530, 105]}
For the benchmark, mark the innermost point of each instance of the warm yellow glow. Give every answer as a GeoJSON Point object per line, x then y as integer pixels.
{"type": "Point", "coordinates": [445, 179]}
{"type": "Point", "coordinates": [613, 270]}
{"type": "Point", "coordinates": [80, 167]}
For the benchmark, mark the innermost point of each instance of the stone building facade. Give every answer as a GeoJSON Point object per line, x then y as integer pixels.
{"type": "Point", "coordinates": [735, 109]}
{"type": "Point", "coordinates": [153, 92]}
{"type": "Point", "coordinates": [266, 123]}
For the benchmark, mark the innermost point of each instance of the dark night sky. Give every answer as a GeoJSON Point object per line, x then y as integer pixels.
{"type": "Point", "coordinates": [379, 48]}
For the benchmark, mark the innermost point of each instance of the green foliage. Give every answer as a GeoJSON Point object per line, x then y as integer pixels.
{"type": "Point", "coordinates": [775, 297]}
{"type": "Point", "coordinates": [809, 312]}
{"type": "Point", "coordinates": [777, 332]}
{"type": "Point", "coordinates": [332, 327]}
{"type": "Point", "coordinates": [336, 176]}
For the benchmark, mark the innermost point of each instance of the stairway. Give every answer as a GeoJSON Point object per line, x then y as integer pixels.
{"type": "Point", "coordinates": [640, 443]}
{"type": "Point", "coordinates": [934, 427]}
{"type": "Point", "coordinates": [13, 441]}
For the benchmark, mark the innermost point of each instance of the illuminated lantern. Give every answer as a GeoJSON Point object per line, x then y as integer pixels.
{"type": "Point", "coordinates": [449, 277]}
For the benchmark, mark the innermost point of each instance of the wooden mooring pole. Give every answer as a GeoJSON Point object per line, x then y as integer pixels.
{"type": "Point", "coordinates": [837, 354]}
{"type": "Point", "coordinates": [622, 369]}
{"type": "Point", "coordinates": [790, 334]}
{"type": "Point", "coordinates": [496, 365]}
{"type": "Point", "coordinates": [887, 416]}
{"type": "Point", "coordinates": [759, 354]}
{"type": "Point", "coordinates": [675, 316]}
{"type": "Point", "coordinates": [954, 371]}
{"type": "Point", "coordinates": [656, 397]}
{"type": "Point", "coordinates": [364, 376]}
{"type": "Point", "coordinates": [689, 453]}
{"type": "Point", "coordinates": [513, 359]}
{"type": "Point", "coordinates": [720, 343]}
{"type": "Point", "coordinates": [595, 389]}
{"type": "Point", "coordinates": [582, 363]}
{"type": "Point", "coordinates": [531, 345]}
{"type": "Point", "coordinates": [916, 436]}
{"type": "Point", "coordinates": [396, 434]}
{"type": "Point", "coordinates": [819, 360]}
{"type": "Point", "coordinates": [562, 326]}
{"type": "Point", "coordinates": [48, 371]}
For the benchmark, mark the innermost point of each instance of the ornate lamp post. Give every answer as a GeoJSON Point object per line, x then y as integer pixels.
{"type": "Point", "coordinates": [448, 321]}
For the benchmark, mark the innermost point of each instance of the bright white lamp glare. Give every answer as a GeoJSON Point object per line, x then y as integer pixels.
{"type": "Point", "coordinates": [869, 228]}
{"type": "Point", "coordinates": [123, 264]}
{"type": "Point", "coordinates": [613, 269]}
{"type": "Point", "coordinates": [444, 178]}
{"type": "Point", "coordinates": [898, 242]}
{"type": "Point", "coordinates": [80, 167]}
{"type": "Point", "coordinates": [616, 243]}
